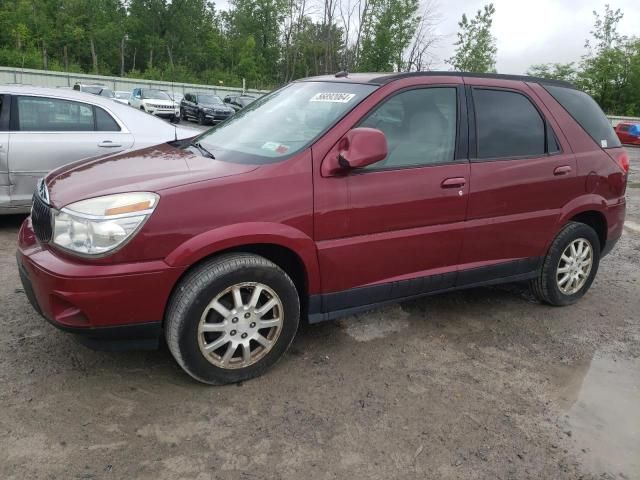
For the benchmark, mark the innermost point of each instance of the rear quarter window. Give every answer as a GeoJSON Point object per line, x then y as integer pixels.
{"type": "Point", "coordinates": [587, 113]}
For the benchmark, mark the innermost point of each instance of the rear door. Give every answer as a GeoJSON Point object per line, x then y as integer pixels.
{"type": "Point", "coordinates": [395, 228]}
{"type": "Point", "coordinates": [5, 102]}
{"type": "Point", "coordinates": [47, 133]}
{"type": "Point", "coordinates": [188, 104]}
{"type": "Point", "coordinates": [522, 173]}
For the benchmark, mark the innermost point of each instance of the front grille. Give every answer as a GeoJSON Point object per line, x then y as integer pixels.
{"type": "Point", "coordinates": [41, 219]}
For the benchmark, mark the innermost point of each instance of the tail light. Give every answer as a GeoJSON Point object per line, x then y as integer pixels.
{"type": "Point", "coordinates": [623, 161]}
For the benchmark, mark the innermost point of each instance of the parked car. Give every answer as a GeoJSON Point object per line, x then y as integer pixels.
{"type": "Point", "coordinates": [628, 133]}
{"type": "Point", "coordinates": [122, 97]}
{"type": "Point", "coordinates": [42, 129]}
{"type": "Point", "coordinates": [95, 89]}
{"type": "Point", "coordinates": [329, 196]}
{"type": "Point", "coordinates": [156, 102]}
{"type": "Point", "coordinates": [205, 108]}
{"type": "Point", "coordinates": [238, 102]}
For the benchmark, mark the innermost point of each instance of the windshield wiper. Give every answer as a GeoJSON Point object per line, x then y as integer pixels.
{"type": "Point", "coordinates": [203, 150]}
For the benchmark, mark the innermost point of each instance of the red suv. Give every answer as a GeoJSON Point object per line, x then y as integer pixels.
{"type": "Point", "coordinates": [329, 196]}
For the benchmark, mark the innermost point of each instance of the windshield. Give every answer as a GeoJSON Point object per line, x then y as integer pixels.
{"type": "Point", "coordinates": [209, 99]}
{"type": "Point", "coordinates": [94, 90]}
{"type": "Point", "coordinates": [244, 101]}
{"type": "Point", "coordinates": [154, 94]}
{"type": "Point", "coordinates": [107, 93]}
{"type": "Point", "coordinates": [283, 122]}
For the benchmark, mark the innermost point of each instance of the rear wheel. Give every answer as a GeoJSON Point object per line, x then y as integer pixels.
{"type": "Point", "coordinates": [232, 318]}
{"type": "Point", "coordinates": [570, 266]}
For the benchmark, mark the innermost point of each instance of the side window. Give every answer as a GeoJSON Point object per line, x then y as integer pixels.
{"type": "Point", "coordinates": [420, 126]}
{"type": "Point", "coordinates": [4, 114]}
{"type": "Point", "coordinates": [38, 114]}
{"type": "Point", "coordinates": [507, 124]}
{"type": "Point", "coordinates": [105, 122]}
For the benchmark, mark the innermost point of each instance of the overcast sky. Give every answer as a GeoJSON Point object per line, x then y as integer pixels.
{"type": "Point", "coordinates": [537, 31]}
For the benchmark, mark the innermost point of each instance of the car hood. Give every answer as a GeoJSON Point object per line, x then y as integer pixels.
{"type": "Point", "coordinates": [148, 170]}
{"type": "Point", "coordinates": [216, 106]}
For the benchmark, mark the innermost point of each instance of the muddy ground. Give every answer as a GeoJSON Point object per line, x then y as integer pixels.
{"type": "Point", "coordinates": [479, 384]}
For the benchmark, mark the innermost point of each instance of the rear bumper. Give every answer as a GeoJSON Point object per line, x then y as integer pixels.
{"type": "Point", "coordinates": [615, 216]}
{"type": "Point", "coordinates": [109, 306]}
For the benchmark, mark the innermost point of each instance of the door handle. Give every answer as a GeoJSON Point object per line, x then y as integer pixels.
{"type": "Point", "coordinates": [108, 144]}
{"type": "Point", "coordinates": [454, 182]}
{"type": "Point", "coordinates": [563, 170]}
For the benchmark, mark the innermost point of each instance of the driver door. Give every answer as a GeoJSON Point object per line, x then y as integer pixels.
{"type": "Point", "coordinates": [394, 229]}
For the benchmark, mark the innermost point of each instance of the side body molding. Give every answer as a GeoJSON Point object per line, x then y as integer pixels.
{"type": "Point", "coordinates": [231, 236]}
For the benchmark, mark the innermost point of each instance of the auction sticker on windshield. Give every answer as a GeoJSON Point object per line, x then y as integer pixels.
{"type": "Point", "coordinates": [332, 97]}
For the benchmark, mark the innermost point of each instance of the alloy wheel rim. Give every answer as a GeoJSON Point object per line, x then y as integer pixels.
{"type": "Point", "coordinates": [240, 325]}
{"type": "Point", "coordinates": [574, 266]}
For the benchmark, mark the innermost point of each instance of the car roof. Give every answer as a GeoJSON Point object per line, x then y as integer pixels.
{"type": "Point", "coordinates": [384, 78]}
{"type": "Point", "coordinates": [61, 93]}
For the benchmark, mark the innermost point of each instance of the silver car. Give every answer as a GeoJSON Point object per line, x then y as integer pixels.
{"type": "Point", "coordinates": [42, 129]}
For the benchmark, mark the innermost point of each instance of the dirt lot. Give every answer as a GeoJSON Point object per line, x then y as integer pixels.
{"type": "Point", "coordinates": [480, 384]}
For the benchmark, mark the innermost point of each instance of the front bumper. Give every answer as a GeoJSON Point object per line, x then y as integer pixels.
{"type": "Point", "coordinates": [217, 117]}
{"type": "Point", "coordinates": [164, 113]}
{"type": "Point", "coordinates": [110, 306]}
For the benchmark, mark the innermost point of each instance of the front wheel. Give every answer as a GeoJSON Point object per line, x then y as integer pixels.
{"type": "Point", "coordinates": [232, 318]}
{"type": "Point", "coordinates": [570, 266]}
{"type": "Point", "coordinates": [201, 119]}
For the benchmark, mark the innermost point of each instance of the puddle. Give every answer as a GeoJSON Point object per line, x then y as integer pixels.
{"type": "Point", "coordinates": [605, 418]}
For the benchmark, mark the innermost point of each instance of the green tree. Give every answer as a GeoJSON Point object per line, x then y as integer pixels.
{"type": "Point", "coordinates": [554, 71]}
{"type": "Point", "coordinates": [605, 69]}
{"type": "Point", "coordinates": [476, 47]}
{"type": "Point", "coordinates": [386, 34]}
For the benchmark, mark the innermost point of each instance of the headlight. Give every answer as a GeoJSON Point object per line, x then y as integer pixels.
{"type": "Point", "coordinates": [99, 225]}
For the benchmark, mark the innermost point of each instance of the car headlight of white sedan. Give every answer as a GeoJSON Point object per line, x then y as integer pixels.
{"type": "Point", "coordinates": [100, 225]}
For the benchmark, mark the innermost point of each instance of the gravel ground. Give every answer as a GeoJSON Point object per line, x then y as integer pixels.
{"type": "Point", "coordinates": [479, 384]}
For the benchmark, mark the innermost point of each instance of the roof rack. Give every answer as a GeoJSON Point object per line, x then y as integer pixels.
{"type": "Point", "coordinates": [382, 79]}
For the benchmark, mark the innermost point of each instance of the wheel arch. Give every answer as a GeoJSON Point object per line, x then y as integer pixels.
{"type": "Point", "coordinates": [289, 248]}
{"type": "Point", "coordinates": [590, 210]}
{"type": "Point", "coordinates": [595, 220]}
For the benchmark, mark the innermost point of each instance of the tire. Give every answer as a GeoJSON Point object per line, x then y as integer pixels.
{"type": "Point", "coordinates": [546, 286]}
{"type": "Point", "coordinates": [190, 307]}
{"type": "Point", "coordinates": [183, 115]}
{"type": "Point", "coordinates": [175, 119]}
{"type": "Point", "coordinates": [201, 119]}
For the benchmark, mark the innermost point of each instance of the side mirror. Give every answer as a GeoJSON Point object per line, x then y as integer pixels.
{"type": "Point", "coordinates": [359, 148]}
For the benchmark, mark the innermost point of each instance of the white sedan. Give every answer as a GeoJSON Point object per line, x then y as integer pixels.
{"type": "Point", "coordinates": [44, 128]}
